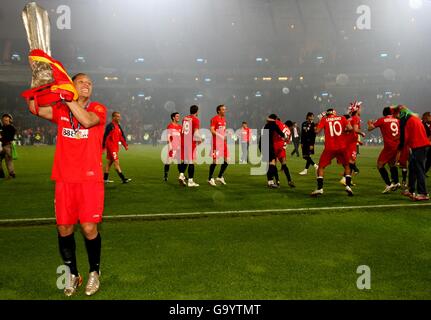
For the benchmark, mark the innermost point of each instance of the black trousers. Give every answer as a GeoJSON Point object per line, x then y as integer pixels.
{"type": "Point", "coordinates": [428, 163]}
{"type": "Point", "coordinates": [417, 163]}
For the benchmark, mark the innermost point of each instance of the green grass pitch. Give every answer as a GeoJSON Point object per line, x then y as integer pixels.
{"type": "Point", "coordinates": [254, 255]}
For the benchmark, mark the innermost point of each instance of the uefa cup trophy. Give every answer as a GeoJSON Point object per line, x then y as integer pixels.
{"type": "Point", "coordinates": [50, 82]}
{"type": "Point", "coordinates": [37, 26]}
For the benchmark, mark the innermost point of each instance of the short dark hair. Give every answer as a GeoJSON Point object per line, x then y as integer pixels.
{"type": "Point", "coordinates": [244, 122]}
{"type": "Point", "coordinates": [7, 115]}
{"type": "Point", "coordinates": [219, 107]}
{"type": "Point", "coordinates": [329, 112]}
{"type": "Point", "coordinates": [387, 111]}
{"type": "Point", "coordinates": [309, 114]}
{"type": "Point", "coordinates": [114, 113]}
{"type": "Point", "coordinates": [289, 123]}
{"type": "Point", "coordinates": [194, 109]}
{"type": "Point", "coordinates": [273, 116]}
{"type": "Point", "coordinates": [173, 115]}
{"type": "Point", "coordinates": [426, 114]}
{"type": "Point", "coordinates": [79, 74]}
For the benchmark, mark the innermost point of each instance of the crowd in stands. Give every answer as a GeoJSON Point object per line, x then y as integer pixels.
{"type": "Point", "coordinates": [145, 117]}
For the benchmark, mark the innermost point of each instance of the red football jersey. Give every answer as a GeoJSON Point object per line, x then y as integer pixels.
{"type": "Point", "coordinates": [174, 135]}
{"type": "Point", "coordinates": [334, 126]}
{"type": "Point", "coordinates": [219, 125]}
{"type": "Point", "coordinates": [276, 138]}
{"type": "Point", "coordinates": [390, 128]}
{"type": "Point", "coordinates": [415, 134]}
{"type": "Point", "coordinates": [115, 135]}
{"type": "Point", "coordinates": [190, 124]}
{"type": "Point", "coordinates": [245, 134]}
{"type": "Point", "coordinates": [78, 153]}
{"type": "Point", "coordinates": [352, 136]}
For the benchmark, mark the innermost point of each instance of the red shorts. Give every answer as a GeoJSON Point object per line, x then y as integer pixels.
{"type": "Point", "coordinates": [279, 151]}
{"type": "Point", "coordinates": [327, 155]}
{"type": "Point", "coordinates": [81, 202]}
{"type": "Point", "coordinates": [351, 152]}
{"type": "Point", "coordinates": [404, 157]}
{"type": "Point", "coordinates": [387, 155]}
{"type": "Point", "coordinates": [220, 151]}
{"type": "Point", "coordinates": [112, 154]}
{"type": "Point", "coordinates": [189, 154]}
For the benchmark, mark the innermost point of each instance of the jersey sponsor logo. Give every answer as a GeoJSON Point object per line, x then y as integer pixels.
{"type": "Point", "coordinates": [64, 119]}
{"type": "Point", "coordinates": [79, 134]}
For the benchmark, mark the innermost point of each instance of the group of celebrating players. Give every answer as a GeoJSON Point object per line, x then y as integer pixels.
{"type": "Point", "coordinates": [406, 145]}
{"type": "Point", "coordinates": [82, 135]}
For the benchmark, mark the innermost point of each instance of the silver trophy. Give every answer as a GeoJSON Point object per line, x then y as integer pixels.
{"type": "Point", "coordinates": [37, 26]}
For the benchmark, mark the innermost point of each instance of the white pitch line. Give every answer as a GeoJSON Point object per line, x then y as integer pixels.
{"type": "Point", "coordinates": [208, 213]}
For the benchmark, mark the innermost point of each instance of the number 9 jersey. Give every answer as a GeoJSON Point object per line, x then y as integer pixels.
{"type": "Point", "coordinates": [390, 128]}
{"type": "Point", "coordinates": [190, 124]}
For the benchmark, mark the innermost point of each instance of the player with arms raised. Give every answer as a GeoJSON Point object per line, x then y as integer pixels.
{"type": "Point", "coordinates": [352, 136]}
{"type": "Point", "coordinates": [78, 176]}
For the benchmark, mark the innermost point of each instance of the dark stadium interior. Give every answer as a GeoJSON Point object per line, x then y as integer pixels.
{"type": "Point", "coordinates": [112, 189]}
{"type": "Point", "coordinates": [148, 58]}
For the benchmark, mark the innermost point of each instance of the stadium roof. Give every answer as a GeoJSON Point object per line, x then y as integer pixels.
{"type": "Point", "coordinates": [243, 37]}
